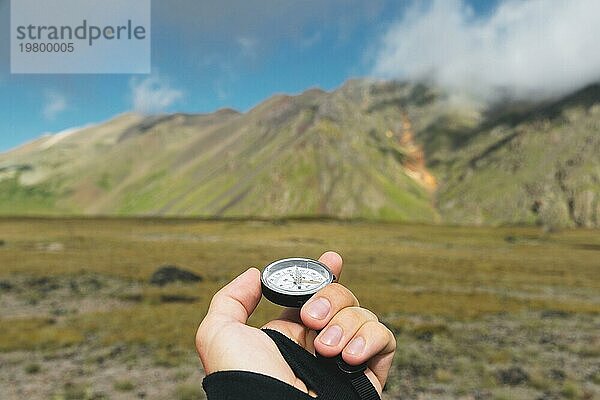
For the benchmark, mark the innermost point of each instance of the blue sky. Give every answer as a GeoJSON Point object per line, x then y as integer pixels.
{"type": "Point", "coordinates": [208, 55]}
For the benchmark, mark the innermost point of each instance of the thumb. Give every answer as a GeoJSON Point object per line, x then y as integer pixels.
{"type": "Point", "coordinates": [237, 300]}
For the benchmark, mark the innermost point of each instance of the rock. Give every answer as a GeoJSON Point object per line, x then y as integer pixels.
{"type": "Point", "coordinates": [558, 374]}
{"type": "Point", "coordinates": [5, 286]}
{"type": "Point", "coordinates": [171, 273]}
{"type": "Point", "coordinates": [512, 376]}
{"type": "Point", "coordinates": [510, 239]}
{"type": "Point", "coordinates": [482, 394]}
{"type": "Point", "coordinates": [55, 247]}
{"type": "Point", "coordinates": [548, 338]}
{"type": "Point", "coordinates": [44, 284]}
{"type": "Point", "coordinates": [175, 298]}
{"type": "Point", "coordinates": [554, 314]}
{"type": "Point", "coordinates": [50, 247]}
{"type": "Point", "coordinates": [549, 396]}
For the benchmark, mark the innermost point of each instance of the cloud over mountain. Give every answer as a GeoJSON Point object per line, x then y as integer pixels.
{"type": "Point", "coordinates": [55, 103]}
{"type": "Point", "coordinates": [533, 47]}
{"type": "Point", "coordinates": [153, 94]}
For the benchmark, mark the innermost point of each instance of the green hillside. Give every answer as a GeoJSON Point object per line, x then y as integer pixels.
{"type": "Point", "coordinates": [537, 165]}
{"type": "Point", "coordinates": [370, 149]}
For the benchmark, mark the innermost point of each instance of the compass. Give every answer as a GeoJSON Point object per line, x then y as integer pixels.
{"type": "Point", "coordinates": [290, 282]}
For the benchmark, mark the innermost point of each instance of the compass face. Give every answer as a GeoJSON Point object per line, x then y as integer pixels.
{"type": "Point", "coordinates": [296, 276]}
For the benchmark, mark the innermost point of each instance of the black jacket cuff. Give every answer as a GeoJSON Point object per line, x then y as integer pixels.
{"type": "Point", "coordinates": [237, 385]}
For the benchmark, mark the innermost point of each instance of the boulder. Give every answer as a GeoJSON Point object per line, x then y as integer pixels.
{"type": "Point", "coordinates": [171, 273]}
{"type": "Point", "coordinates": [512, 376]}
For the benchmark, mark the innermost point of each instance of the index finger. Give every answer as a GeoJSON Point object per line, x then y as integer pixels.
{"type": "Point", "coordinates": [334, 262]}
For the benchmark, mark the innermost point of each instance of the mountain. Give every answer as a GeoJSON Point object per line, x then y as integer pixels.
{"type": "Point", "coordinates": [370, 149]}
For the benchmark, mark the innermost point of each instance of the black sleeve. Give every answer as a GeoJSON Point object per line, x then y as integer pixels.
{"type": "Point", "coordinates": [237, 385]}
{"type": "Point", "coordinates": [329, 383]}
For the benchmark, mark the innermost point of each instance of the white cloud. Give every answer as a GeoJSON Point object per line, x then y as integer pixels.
{"type": "Point", "coordinates": [248, 46]}
{"type": "Point", "coordinates": [55, 103]}
{"type": "Point", "coordinates": [153, 94]}
{"type": "Point", "coordinates": [542, 47]}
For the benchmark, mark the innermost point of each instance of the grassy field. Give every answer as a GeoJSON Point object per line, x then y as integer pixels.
{"type": "Point", "coordinates": [479, 313]}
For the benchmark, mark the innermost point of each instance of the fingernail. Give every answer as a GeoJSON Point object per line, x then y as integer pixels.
{"type": "Point", "coordinates": [319, 308]}
{"type": "Point", "coordinates": [356, 346]}
{"type": "Point", "coordinates": [332, 336]}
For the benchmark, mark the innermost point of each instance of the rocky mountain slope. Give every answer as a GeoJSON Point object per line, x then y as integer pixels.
{"type": "Point", "coordinates": [536, 163]}
{"type": "Point", "coordinates": [370, 149]}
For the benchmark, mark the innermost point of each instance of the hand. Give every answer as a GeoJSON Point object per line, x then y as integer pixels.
{"type": "Point", "coordinates": [225, 342]}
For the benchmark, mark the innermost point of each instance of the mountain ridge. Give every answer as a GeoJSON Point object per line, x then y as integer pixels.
{"type": "Point", "coordinates": [369, 149]}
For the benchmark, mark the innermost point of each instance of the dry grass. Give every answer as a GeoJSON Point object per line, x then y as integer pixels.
{"type": "Point", "coordinates": [422, 281]}
{"type": "Point", "coordinates": [394, 269]}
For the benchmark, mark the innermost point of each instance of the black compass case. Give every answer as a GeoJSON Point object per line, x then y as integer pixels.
{"type": "Point", "coordinates": [286, 300]}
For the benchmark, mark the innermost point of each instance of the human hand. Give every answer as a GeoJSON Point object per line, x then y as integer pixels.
{"type": "Point", "coordinates": [225, 342]}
